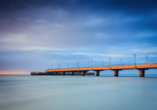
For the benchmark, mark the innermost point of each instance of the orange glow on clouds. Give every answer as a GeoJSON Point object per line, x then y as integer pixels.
{"type": "Point", "coordinates": [14, 72]}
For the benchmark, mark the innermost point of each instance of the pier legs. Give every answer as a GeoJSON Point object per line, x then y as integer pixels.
{"type": "Point", "coordinates": [63, 73]}
{"type": "Point", "coordinates": [116, 72]}
{"type": "Point", "coordinates": [142, 72]}
{"type": "Point", "coordinates": [83, 73]}
{"type": "Point", "coordinates": [97, 72]}
{"type": "Point", "coordinates": [72, 73]}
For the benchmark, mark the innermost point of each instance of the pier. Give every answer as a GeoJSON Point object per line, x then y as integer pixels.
{"type": "Point", "coordinates": [84, 70]}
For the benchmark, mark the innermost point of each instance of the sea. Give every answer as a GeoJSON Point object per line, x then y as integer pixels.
{"type": "Point", "coordinates": [26, 92]}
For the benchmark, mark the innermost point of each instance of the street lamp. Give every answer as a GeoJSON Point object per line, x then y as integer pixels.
{"type": "Point", "coordinates": [67, 67]}
{"type": "Point", "coordinates": [78, 66]}
{"type": "Point", "coordinates": [102, 62]}
{"type": "Point", "coordinates": [110, 60]}
{"type": "Point", "coordinates": [92, 63]}
{"type": "Point", "coordinates": [121, 61]}
{"type": "Point", "coordinates": [59, 66]}
{"type": "Point", "coordinates": [135, 58]}
{"type": "Point", "coordinates": [88, 64]}
{"type": "Point", "coordinates": [52, 67]}
{"type": "Point", "coordinates": [147, 58]}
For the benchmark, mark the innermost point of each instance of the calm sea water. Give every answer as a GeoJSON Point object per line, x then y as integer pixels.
{"type": "Point", "coordinates": [25, 92]}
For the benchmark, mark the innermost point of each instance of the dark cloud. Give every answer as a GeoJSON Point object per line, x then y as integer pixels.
{"type": "Point", "coordinates": [136, 6]}
{"type": "Point", "coordinates": [123, 5]}
{"type": "Point", "coordinates": [44, 31]}
{"type": "Point", "coordinates": [16, 5]}
{"type": "Point", "coordinates": [21, 12]}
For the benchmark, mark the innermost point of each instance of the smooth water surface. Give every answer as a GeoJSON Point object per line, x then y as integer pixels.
{"type": "Point", "coordinates": [26, 92]}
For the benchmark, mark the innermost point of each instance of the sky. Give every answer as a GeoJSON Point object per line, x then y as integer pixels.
{"type": "Point", "coordinates": [39, 34]}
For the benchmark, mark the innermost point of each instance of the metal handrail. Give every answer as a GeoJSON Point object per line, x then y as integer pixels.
{"type": "Point", "coordinates": [110, 66]}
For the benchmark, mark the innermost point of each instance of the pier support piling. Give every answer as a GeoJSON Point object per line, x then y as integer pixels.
{"type": "Point", "coordinates": [116, 72]}
{"type": "Point", "coordinates": [142, 72]}
{"type": "Point", "coordinates": [97, 72]}
{"type": "Point", "coordinates": [83, 73]}
{"type": "Point", "coordinates": [72, 73]}
{"type": "Point", "coordinates": [63, 72]}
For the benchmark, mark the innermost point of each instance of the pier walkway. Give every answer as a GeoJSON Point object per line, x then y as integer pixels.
{"type": "Point", "coordinates": [116, 69]}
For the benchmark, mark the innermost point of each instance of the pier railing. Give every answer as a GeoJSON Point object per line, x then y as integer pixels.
{"type": "Point", "coordinates": [113, 65]}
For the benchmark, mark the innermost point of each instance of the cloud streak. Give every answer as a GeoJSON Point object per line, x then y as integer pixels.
{"type": "Point", "coordinates": [39, 32]}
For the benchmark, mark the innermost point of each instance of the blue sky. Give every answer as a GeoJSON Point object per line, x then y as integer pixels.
{"type": "Point", "coordinates": [35, 34]}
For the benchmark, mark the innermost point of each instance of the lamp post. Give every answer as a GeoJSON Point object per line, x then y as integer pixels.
{"type": "Point", "coordinates": [59, 66]}
{"type": "Point", "coordinates": [110, 60]}
{"type": "Point", "coordinates": [78, 66]}
{"type": "Point", "coordinates": [67, 67]}
{"type": "Point", "coordinates": [92, 63]}
{"type": "Point", "coordinates": [121, 61]}
{"type": "Point", "coordinates": [102, 62]}
{"type": "Point", "coordinates": [147, 58]}
{"type": "Point", "coordinates": [135, 58]}
{"type": "Point", "coordinates": [52, 67]}
{"type": "Point", "coordinates": [88, 64]}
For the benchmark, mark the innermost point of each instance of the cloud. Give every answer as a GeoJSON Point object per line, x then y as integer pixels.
{"type": "Point", "coordinates": [83, 31]}
{"type": "Point", "coordinates": [36, 33]}
{"type": "Point", "coordinates": [123, 5]}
